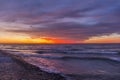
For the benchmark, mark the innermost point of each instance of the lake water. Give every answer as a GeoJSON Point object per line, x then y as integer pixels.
{"type": "Point", "coordinates": [75, 59]}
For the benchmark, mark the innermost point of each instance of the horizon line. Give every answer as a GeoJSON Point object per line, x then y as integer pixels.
{"type": "Point", "coordinates": [52, 43]}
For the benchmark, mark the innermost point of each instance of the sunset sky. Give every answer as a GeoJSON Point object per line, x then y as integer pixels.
{"type": "Point", "coordinates": [59, 21]}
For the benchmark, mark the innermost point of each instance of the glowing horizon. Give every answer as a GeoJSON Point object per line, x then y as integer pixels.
{"type": "Point", "coordinates": [17, 39]}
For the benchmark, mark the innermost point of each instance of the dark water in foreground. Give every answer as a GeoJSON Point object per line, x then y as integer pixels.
{"type": "Point", "coordinates": [80, 59]}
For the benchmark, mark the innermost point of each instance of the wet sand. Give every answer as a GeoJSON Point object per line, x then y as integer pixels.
{"type": "Point", "coordinates": [13, 69]}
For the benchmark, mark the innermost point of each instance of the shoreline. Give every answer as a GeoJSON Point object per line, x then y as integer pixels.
{"type": "Point", "coordinates": [32, 68]}
{"type": "Point", "coordinates": [44, 75]}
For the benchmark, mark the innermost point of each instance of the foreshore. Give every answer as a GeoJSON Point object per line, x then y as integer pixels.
{"type": "Point", "coordinates": [13, 67]}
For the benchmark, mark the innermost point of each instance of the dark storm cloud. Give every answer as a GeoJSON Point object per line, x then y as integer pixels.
{"type": "Point", "coordinates": [71, 19]}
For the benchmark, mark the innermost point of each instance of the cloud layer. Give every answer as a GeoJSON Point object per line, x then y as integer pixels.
{"type": "Point", "coordinates": [63, 19]}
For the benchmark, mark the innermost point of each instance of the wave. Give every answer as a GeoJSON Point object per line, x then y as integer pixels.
{"type": "Point", "coordinates": [77, 52]}
{"type": "Point", "coordinates": [116, 59]}
{"type": "Point", "coordinates": [31, 65]}
{"type": "Point", "coordinates": [84, 58]}
{"type": "Point", "coordinates": [87, 57]}
{"type": "Point", "coordinates": [53, 70]}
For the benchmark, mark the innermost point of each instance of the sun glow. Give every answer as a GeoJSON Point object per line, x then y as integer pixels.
{"type": "Point", "coordinates": [35, 41]}
{"type": "Point", "coordinates": [16, 38]}
{"type": "Point", "coordinates": [113, 38]}
{"type": "Point", "coordinates": [12, 38]}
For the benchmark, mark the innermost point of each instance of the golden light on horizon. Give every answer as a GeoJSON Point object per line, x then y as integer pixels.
{"type": "Point", "coordinates": [113, 38]}
{"type": "Point", "coordinates": [35, 41]}
{"type": "Point", "coordinates": [16, 38]}
{"type": "Point", "coordinates": [25, 40]}
{"type": "Point", "coordinates": [12, 38]}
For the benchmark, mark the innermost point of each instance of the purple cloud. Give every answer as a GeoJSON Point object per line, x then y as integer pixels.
{"type": "Point", "coordinates": [71, 19]}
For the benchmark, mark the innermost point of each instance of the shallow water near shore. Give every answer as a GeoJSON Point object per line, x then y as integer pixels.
{"type": "Point", "coordinates": [77, 59]}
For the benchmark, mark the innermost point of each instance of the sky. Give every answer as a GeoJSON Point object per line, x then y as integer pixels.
{"type": "Point", "coordinates": [59, 21]}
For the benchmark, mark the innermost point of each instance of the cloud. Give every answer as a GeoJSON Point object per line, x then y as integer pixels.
{"type": "Point", "coordinates": [70, 31]}
{"type": "Point", "coordinates": [64, 19]}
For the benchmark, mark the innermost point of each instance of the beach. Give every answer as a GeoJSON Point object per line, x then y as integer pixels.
{"type": "Point", "coordinates": [60, 62]}
{"type": "Point", "coordinates": [15, 69]}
